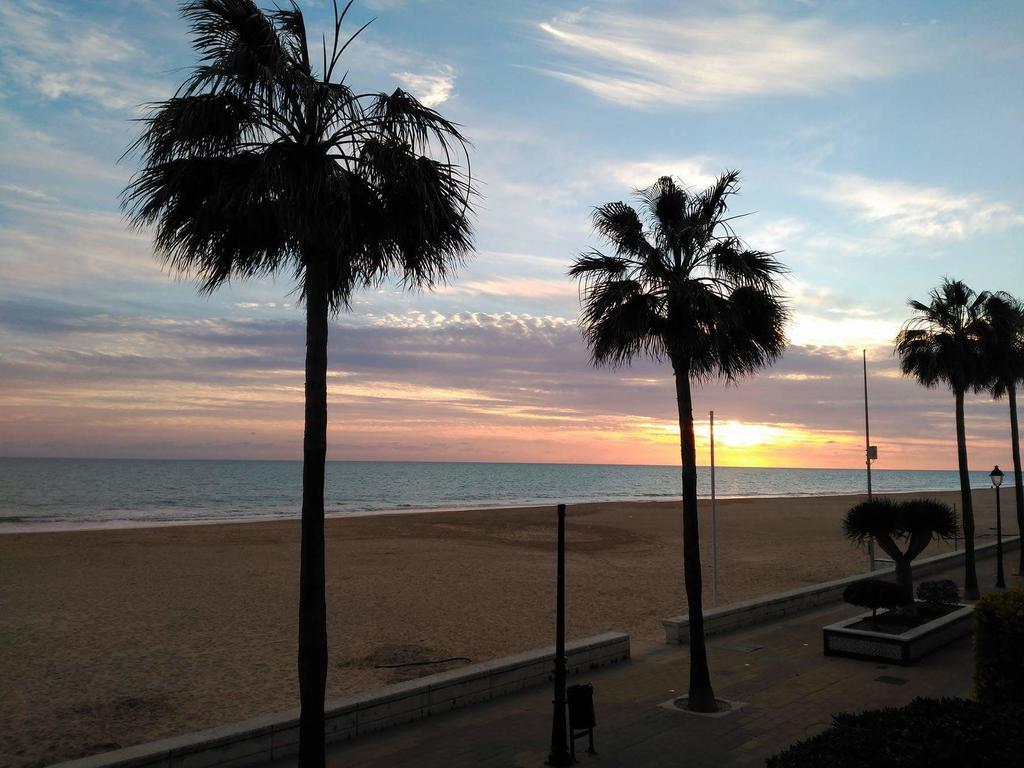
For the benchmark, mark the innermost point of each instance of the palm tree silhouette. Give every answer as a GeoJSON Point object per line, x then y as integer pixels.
{"type": "Point", "coordinates": [1004, 315]}
{"type": "Point", "coordinates": [943, 343]}
{"type": "Point", "coordinates": [264, 162]}
{"type": "Point", "coordinates": [679, 285]}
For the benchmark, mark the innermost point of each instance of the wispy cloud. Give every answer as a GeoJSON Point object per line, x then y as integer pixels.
{"type": "Point", "coordinates": [27, 192]}
{"type": "Point", "coordinates": [693, 171]}
{"type": "Point", "coordinates": [921, 211]}
{"type": "Point", "coordinates": [53, 247]}
{"type": "Point", "coordinates": [775, 234]}
{"type": "Point", "coordinates": [433, 89]}
{"type": "Point", "coordinates": [499, 386]}
{"type": "Point", "coordinates": [824, 318]}
{"type": "Point", "coordinates": [56, 56]}
{"type": "Point", "coordinates": [640, 60]}
{"type": "Point", "coordinates": [519, 287]}
{"type": "Point", "coordinates": [26, 146]}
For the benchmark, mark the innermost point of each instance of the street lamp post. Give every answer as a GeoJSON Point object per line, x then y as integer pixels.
{"type": "Point", "coordinates": [870, 454]}
{"type": "Point", "coordinates": [997, 480]}
{"type": "Point", "coordinates": [560, 754]}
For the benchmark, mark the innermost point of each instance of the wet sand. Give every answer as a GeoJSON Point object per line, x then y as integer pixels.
{"type": "Point", "coordinates": [115, 637]}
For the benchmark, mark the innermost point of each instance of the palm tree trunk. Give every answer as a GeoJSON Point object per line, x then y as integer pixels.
{"type": "Point", "coordinates": [970, 571]}
{"type": "Point", "coordinates": [312, 590]}
{"type": "Point", "coordinates": [918, 543]}
{"type": "Point", "coordinates": [901, 562]}
{"type": "Point", "coordinates": [701, 696]}
{"type": "Point", "coordinates": [1018, 490]}
{"type": "Point", "coordinates": [905, 578]}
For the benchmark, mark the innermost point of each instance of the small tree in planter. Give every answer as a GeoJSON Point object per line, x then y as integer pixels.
{"type": "Point", "coordinates": [915, 522]}
{"type": "Point", "coordinates": [873, 594]}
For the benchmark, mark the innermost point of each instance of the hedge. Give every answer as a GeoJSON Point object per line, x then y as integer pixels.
{"type": "Point", "coordinates": [999, 647]}
{"type": "Point", "coordinates": [873, 594]}
{"type": "Point", "coordinates": [938, 593]}
{"type": "Point", "coordinates": [936, 733]}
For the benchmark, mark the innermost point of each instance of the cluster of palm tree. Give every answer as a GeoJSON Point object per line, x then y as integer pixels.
{"type": "Point", "coordinates": [969, 342]}
{"type": "Point", "coordinates": [263, 161]}
{"type": "Point", "coordinates": [266, 160]}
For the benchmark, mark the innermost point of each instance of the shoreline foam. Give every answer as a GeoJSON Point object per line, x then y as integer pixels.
{"type": "Point", "coordinates": [26, 525]}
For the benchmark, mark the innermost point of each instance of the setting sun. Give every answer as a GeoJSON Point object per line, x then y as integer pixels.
{"type": "Point", "coordinates": [752, 444]}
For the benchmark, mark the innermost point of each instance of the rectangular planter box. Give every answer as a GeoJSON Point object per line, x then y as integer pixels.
{"type": "Point", "coordinates": [907, 648]}
{"type": "Point", "coordinates": [760, 610]}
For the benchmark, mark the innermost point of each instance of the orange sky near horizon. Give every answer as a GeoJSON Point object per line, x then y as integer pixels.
{"type": "Point", "coordinates": [254, 418]}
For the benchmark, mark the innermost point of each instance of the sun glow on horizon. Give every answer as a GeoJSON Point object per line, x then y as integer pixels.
{"type": "Point", "coordinates": [752, 444]}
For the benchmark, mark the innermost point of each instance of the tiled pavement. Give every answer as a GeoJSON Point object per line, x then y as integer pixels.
{"type": "Point", "coordinates": [778, 669]}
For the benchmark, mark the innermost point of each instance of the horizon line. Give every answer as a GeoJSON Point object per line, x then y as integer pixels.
{"type": "Point", "coordinates": [462, 461]}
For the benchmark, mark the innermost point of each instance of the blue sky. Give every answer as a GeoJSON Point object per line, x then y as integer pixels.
{"type": "Point", "coordinates": [880, 150]}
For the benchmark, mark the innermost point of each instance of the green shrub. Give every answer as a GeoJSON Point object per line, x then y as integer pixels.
{"type": "Point", "coordinates": [937, 733]}
{"type": "Point", "coordinates": [999, 647]}
{"type": "Point", "coordinates": [941, 592]}
{"type": "Point", "coordinates": [873, 594]}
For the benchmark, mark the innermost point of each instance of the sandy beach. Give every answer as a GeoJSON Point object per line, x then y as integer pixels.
{"type": "Point", "coordinates": [114, 637]}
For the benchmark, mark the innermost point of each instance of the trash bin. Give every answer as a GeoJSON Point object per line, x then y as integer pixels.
{"type": "Point", "coordinates": [581, 707]}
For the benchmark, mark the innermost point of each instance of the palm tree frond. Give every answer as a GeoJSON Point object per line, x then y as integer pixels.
{"type": "Point", "coordinates": [595, 265]}
{"type": "Point", "coordinates": [715, 303]}
{"type": "Point", "coordinates": [423, 207]}
{"type": "Point", "coordinates": [406, 120]}
{"type": "Point", "coordinates": [628, 328]}
{"type": "Point", "coordinates": [620, 225]}
{"type": "Point", "coordinates": [748, 334]}
{"type": "Point", "coordinates": [712, 203]}
{"type": "Point", "coordinates": [291, 28]}
{"type": "Point", "coordinates": [368, 186]}
{"type": "Point", "coordinates": [728, 259]}
{"type": "Point", "coordinates": [884, 516]}
{"type": "Point", "coordinates": [944, 340]}
{"type": "Point", "coordinates": [1004, 341]}
{"type": "Point", "coordinates": [238, 38]}
{"type": "Point", "coordinates": [197, 125]}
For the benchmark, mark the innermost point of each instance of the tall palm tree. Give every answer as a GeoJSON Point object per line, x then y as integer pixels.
{"type": "Point", "coordinates": [1005, 356]}
{"type": "Point", "coordinates": [264, 162]}
{"type": "Point", "coordinates": [943, 343]}
{"type": "Point", "coordinates": [678, 284]}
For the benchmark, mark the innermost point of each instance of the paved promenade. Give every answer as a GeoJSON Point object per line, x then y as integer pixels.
{"type": "Point", "coordinates": [789, 687]}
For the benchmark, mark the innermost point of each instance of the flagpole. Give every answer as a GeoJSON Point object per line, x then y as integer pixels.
{"type": "Point", "coordinates": [867, 453]}
{"type": "Point", "coordinates": [714, 522]}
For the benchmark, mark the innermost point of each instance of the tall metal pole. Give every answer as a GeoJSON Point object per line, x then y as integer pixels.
{"type": "Point", "coordinates": [559, 731]}
{"type": "Point", "coordinates": [867, 453]}
{"type": "Point", "coordinates": [714, 522]}
{"type": "Point", "coordinates": [1000, 581]}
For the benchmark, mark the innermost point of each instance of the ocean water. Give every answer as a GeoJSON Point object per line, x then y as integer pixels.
{"type": "Point", "coordinates": [86, 492]}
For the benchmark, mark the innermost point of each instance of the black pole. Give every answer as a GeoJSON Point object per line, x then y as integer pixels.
{"type": "Point", "coordinates": [867, 453]}
{"type": "Point", "coordinates": [1000, 581]}
{"type": "Point", "coordinates": [559, 731]}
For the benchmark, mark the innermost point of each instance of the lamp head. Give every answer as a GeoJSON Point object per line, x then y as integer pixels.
{"type": "Point", "coordinates": [997, 476]}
